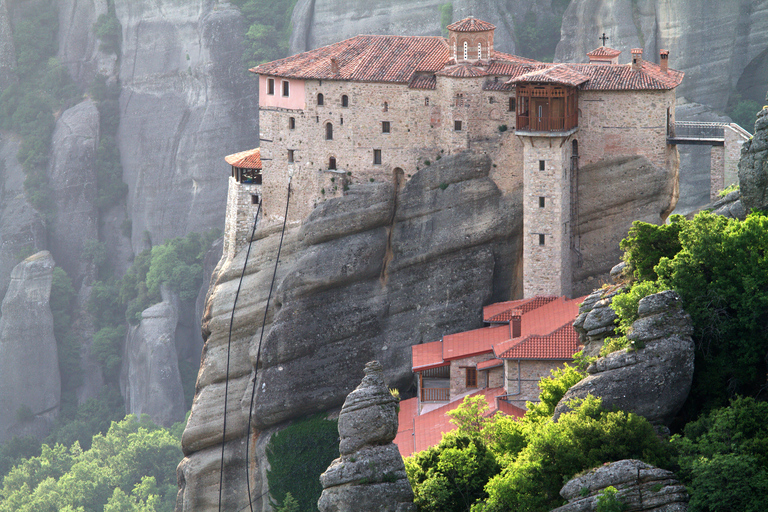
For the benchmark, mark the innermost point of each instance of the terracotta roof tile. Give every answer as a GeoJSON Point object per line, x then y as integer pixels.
{"type": "Point", "coordinates": [491, 363]}
{"type": "Point", "coordinates": [496, 85]}
{"type": "Point", "coordinates": [470, 25]}
{"type": "Point", "coordinates": [250, 159]}
{"type": "Point", "coordinates": [367, 58]}
{"type": "Point", "coordinates": [464, 70]}
{"type": "Point", "coordinates": [504, 311]}
{"type": "Point", "coordinates": [427, 355]}
{"type": "Point", "coordinates": [558, 73]}
{"type": "Point", "coordinates": [509, 409]}
{"type": "Point", "coordinates": [624, 78]}
{"type": "Point", "coordinates": [423, 82]}
{"type": "Point", "coordinates": [478, 341]}
{"type": "Point", "coordinates": [604, 51]}
{"type": "Point", "coordinates": [559, 345]}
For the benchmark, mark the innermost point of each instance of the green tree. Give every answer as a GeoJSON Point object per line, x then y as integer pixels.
{"type": "Point", "coordinates": [647, 243]}
{"type": "Point", "coordinates": [469, 416]}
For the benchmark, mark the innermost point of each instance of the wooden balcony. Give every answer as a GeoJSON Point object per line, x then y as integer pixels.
{"type": "Point", "coordinates": [546, 124]}
{"type": "Point", "coordinates": [435, 394]}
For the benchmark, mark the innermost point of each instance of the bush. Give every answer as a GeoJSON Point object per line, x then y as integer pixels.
{"type": "Point", "coordinates": [553, 388]}
{"type": "Point", "coordinates": [269, 29]}
{"type": "Point", "coordinates": [446, 16]}
{"type": "Point", "coordinates": [608, 501]}
{"type": "Point", "coordinates": [647, 243]}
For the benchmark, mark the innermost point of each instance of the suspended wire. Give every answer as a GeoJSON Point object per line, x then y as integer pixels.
{"type": "Point", "coordinates": [258, 350]}
{"type": "Point", "coordinates": [229, 346]}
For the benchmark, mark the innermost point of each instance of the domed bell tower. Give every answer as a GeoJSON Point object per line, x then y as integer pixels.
{"type": "Point", "coordinates": [471, 40]}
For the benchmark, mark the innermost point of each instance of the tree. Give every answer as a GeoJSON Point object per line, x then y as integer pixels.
{"type": "Point", "coordinates": [469, 416]}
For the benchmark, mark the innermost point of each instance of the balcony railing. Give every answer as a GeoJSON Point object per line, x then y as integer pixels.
{"type": "Point", "coordinates": [546, 124]}
{"type": "Point", "coordinates": [694, 130]}
{"type": "Point", "coordinates": [435, 394]}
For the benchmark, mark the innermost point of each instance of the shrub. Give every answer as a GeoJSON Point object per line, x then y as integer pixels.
{"type": "Point", "coordinates": [446, 16]}
{"type": "Point", "coordinates": [608, 501]}
{"type": "Point", "coordinates": [647, 243]}
{"type": "Point", "coordinates": [553, 388]}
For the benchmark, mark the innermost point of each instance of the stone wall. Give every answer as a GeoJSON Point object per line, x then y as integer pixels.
{"type": "Point", "coordinates": [523, 385]}
{"type": "Point", "coordinates": [459, 374]}
{"type": "Point", "coordinates": [241, 210]}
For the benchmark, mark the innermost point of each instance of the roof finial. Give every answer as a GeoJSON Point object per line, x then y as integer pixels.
{"type": "Point", "coordinates": [604, 38]}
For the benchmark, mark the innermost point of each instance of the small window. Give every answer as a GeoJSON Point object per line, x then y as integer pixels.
{"type": "Point", "coordinates": [290, 156]}
{"type": "Point", "coordinates": [377, 156]}
{"type": "Point", "coordinates": [341, 120]}
{"type": "Point", "coordinates": [286, 88]}
{"type": "Point", "coordinates": [457, 126]}
{"type": "Point", "coordinates": [426, 101]}
{"type": "Point", "coordinates": [291, 123]}
{"type": "Point", "coordinates": [328, 131]}
{"type": "Point", "coordinates": [271, 86]}
{"type": "Point", "coordinates": [471, 380]}
{"type": "Point", "coordinates": [541, 202]}
{"type": "Point", "coordinates": [332, 163]}
{"type": "Point", "coordinates": [385, 127]}
{"type": "Point", "coordinates": [466, 50]}
{"type": "Point", "coordinates": [254, 199]}
{"type": "Point", "coordinates": [345, 101]}
{"type": "Point", "coordinates": [541, 239]}
{"type": "Point", "coordinates": [320, 99]}
{"type": "Point", "coordinates": [491, 99]}
{"type": "Point", "coordinates": [386, 107]}
{"type": "Point", "coordinates": [542, 165]}
{"type": "Point", "coordinates": [479, 51]}
{"type": "Point", "coordinates": [459, 100]}
{"type": "Point", "coordinates": [511, 104]}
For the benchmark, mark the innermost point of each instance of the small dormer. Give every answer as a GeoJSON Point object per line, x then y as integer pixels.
{"type": "Point", "coordinates": [471, 40]}
{"type": "Point", "coordinates": [604, 55]}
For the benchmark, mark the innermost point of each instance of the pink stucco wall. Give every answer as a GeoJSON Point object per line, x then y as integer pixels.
{"type": "Point", "coordinates": [295, 100]}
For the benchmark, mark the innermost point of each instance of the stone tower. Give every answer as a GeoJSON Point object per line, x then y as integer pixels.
{"type": "Point", "coordinates": [243, 198]}
{"type": "Point", "coordinates": [471, 40]}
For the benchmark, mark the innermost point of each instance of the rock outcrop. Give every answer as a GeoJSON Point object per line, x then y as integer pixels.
{"type": "Point", "coordinates": [150, 375]}
{"type": "Point", "coordinates": [596, 320]}
{"type": "Point", "coordinates": [367, 276]}
{"type": "Point", "coordinates": [653, 378]}
{"type": "Point", "coordinates": [753, 166]}
{"type": "Point", "coordinates": [370, 474]}
{"type": "Point", "coordinates": [78, 43]}
{"type": "Point", "coordinates": [7, 49]}
{"type": "Point", "coordinates": [641, 487]}
{"type": "Point", "coordinates": [30, 387]}
{"type": "Point", "coordinates": [729, 206]}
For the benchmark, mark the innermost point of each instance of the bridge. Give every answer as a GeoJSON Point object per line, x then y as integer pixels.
{"type": "Point", "coordinates": [725, 139]}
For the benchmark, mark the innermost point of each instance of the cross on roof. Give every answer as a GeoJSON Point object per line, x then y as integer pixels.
{"type": "Point", "coordinates": [604, 38]}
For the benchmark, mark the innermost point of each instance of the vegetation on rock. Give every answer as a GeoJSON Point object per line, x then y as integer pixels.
{"type": "Point", "coordinates": [269, 29]}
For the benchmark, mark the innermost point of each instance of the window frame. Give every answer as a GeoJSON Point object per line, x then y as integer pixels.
{"type": "Point", "coordinates": [320, 99]}
{"type": "Point", "coordinates": [344, 101]}
{"type": "Point", "coordinates": [542, 239]}
{"type": "Point", "coordinates": [470, 377]}
{"type": "Point", "coordinates": [291, 123]}
{"type": "Point", "coordinates": [286, 89]}
{"type": "Point", "coordinates": [329, 131]}
{"type": "Point", "coordinates": [270, 86]}
{"type": "Point", "coordinates": [542, 165]}
{"type": "Point", "coordinates": [458, 125]}
{"type": "Point", "coordinates": [291, 156]}
{"type": "Point", "coordinates": [542, 201]}
{"type": "Point", "coordinates": [386, 127]}
{"type": "Point", "coordinates": [376, 157]}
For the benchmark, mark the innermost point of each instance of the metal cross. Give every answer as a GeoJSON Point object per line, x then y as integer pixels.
{"type": "Point", "coordinates": [604, 38]}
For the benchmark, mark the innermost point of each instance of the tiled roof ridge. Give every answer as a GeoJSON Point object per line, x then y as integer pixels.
{"type": "Point", "coordinates": [471, 24]}
{"type": "Point", "coordinates": [560, 335]}
{"type": "Point", "coordinates": [604, 51]}
{"type": "Point", "coordinates": [249, 159]}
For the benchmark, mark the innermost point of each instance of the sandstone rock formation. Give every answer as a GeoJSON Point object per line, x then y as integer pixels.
{"type": "Point", "coordinates": [641, 487]}
{"type": "Point", "coordinates": [150, 374]}
{"type": "Point", "coordinates": [367, 276]}
{"type": "Point", "coordinates": [654, 378]}
{"type": "Point", "coordinates": [78, 44]}
{"type": "Point", "coordinates": [753, 166]}
{"type": "Point", "coordinates": [7, 50]}
{"type": "Point", "coordinates": [596, 320]}
{"type": "Point", "coordinates": [729, 206]}
{"type": "Point", "coordinates": [370, 474]}
{"type": "Point", "coordinates": [30, 388]}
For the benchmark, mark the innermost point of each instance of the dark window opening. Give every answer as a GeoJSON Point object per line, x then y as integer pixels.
{"type": "Point", "coordinates": [385, 127]}
{"type": "Point", "coordinates": [457, 126]}
{"type": "Point", "coordinates": [254, 199]}
{"type": "Point", "coordinates": [386, 107]}
{"type": "Point", "coordinates": [511, 104]}
{"type": "Point", "coordinates": [345, 101]}
{"type": "Point", "coordinates": [542, 165]}
{"type": "Point", "coordinates": [541, 202]}
{"type": "Point", "coordinates": [291, 123]}
{"type": "Point", "coordinates": [332, 163]}
{"type": "Point", "coordinates": [290, 156]}
{"type": "Point", "coordinates": [271, 86]}
{"type": "Point", "coordinates": [341, 120]}
{"type": "Point", "coordinates": [328, 131]}
{"type": "Point", "coordinates": [320, 99]}
{"type": "Point", "coordinates": [541, 239]}
{"type": "Point", "coordinates": [377, 156]}
{"type": "Point", "coordinates": [426, 102]}
{"type": "Point", "coordinates": [491, 99]}
{"type": "Point", "coordinates": [286, 88]}
{"type": "Point", "coordinates": [471, 377]}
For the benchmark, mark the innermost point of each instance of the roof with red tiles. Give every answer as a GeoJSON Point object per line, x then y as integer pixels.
{"type": "Point", "coordinates": [423, 82]}
{"type": "Point", "coordinates": [559, 73]}
{"type": "Point", "coordinates": [497, 85]}
{"type": "Point", "coordinates": [470, 25]}
{"type": "Point", "coordinates": [491, 363]}
{"type": "Point", "coordinates": [604, 51]}
{"type": "Point", "coordinates": [365, 58]}
{"type": "Point", "coordinates": [463, 70]}
{"type": "Point", "coordinates": [250, 159]}
{"type": "Point", "coordinates": [504, 311]}
{"type": "Point", "coordinates": [558, 345]}
{"type": "Point", "coordinates": [624, 78]}
{"type": "Point", "coordinates": [477, 341]}
{"type": "Point", "coordinates": [417, 433]}
{"type": "Point", "coordinates": [427, 355]}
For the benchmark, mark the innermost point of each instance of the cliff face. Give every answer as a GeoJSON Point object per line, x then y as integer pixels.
{"type": "Point", "coordinates": [367, 276]}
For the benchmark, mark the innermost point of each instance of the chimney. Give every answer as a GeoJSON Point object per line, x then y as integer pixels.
{"type": "Point", "coordinates": [664, 60]}
{"type": "Point", "coordinates": [637, 58]}
{"type": "Point", "coordinates": [334, 66]}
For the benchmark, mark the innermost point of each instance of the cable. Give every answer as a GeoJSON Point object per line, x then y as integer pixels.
{"type": "Point", "coordinates": [258, 350]}
{"type": "Point", "coordinates": [229, 346]}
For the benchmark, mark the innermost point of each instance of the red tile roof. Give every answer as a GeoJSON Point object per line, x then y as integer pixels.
{"type": "Point", "coordinates": [559, 345]}
{"type": "Point", "coordinates": [417, 433]}
{"type": "Point", "coordinates": [464, 70]}
{"type": "Point", "coordinates": [250, 159]}
{"type": "Point", "coordinates": [423, 82]}
{"type": "Point", "coordinates": [478, 341]}
{"type": "Point", "coordinates": [603, 78]}
{"type": "Point", "coordinates": [365, 59]}
{"type": "Point", "coordinates": [558, 73]}
{"type": "Point", "coordinates": [504, 311]}
{"type": "Point", "coordinates": [470, 25]}
{"type": "Point", "coordinates": [427, 355]}
{"type": "Point", "coordinates": [491, 363]}
{"type": "Point", "coordinates": [604, 51]}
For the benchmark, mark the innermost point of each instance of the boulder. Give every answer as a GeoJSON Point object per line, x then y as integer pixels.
{"type": "Point", "coordinates": [150, 379]}
{"type": "Point", "coordinates": [596, 320]}
{"type": "Point", "coordinates": [30, 387]}
{"type": "Point", "coordinates": [651, 379]}
{"type": "Point", "coordinates": [753, 166]}
{"type": "Point", "coordinates": [641, 487]}
{"type": "Point", "coordinates": [729, 206]}
{"type": "Point", "coordinates": [370, 474]}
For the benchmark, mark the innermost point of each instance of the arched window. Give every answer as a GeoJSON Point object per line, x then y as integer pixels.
{"type": "Point", "coordinates": [386, 107]}
{"type": "Point", "coordinates": [454, 50]}
{"type": "Point", "coordinates": [320, 99]}
{"type": "Point", "coordinates": [332, 163]}
{"type": "Point", "coordinates": [479, 51]}
{"type": "Point", "coordinates": [345, 101]}
{"type": "Point", "coordinates": [328, 131]}
{"type": "Point", "coordinates": [466, 49]}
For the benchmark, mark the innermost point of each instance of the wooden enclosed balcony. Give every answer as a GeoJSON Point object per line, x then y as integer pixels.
{"type": "Point", "coordinates": [546, 109]}
{"type": "Point", "coordinates": [435, 384]}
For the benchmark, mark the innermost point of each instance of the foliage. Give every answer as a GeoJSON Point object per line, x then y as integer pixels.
{"type": "Point", "coordinates": [724, 458]}
{"type": "Point", "coordinates": [136, 457]}
{"type": "Point", "coordinates": [647, 243]}
{"type": "Point", "coordinates": [743, 111]}
{"type": "Point", "coordinates": [106, 349]}
{"type": "Point", "coordinates": [68, 348]}
{"type": "Point", "coordinates": [625, 304]}
{"type": "Point", "coordinates": [469, 416]}
{"type": "Point", "coordinates": [552, 390]}
{"type": "Point", "coordinates": [608, 501]}
{"type": "Point", "coordinates": [107, 28]}
{"type": "Point", "coordinates": [297, 456]}
{"type": "Point", "coordinates": [451, 476]}
{"type": "Point", "coordinates": [536, 35]}
{"type": "Point", "coordinates": [289, 504]}
{"type": "Point", "coordinates": [582, 439]}
{"type": "Point", "coordinates": [269, 29]}
{"type": "Point", "coordinates": [92, 417]}
{"type": "Point", "coordinates": [446, 16]}
{"type": "Point", "coordinates": [733, 187]}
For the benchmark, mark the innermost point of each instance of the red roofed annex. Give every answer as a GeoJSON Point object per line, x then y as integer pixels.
{"type": "Point", "coordinates": [379, 108]}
